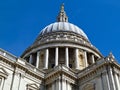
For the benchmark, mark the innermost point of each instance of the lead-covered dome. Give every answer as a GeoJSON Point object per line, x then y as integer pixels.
{"type": "Point", "coordinates": [61, 43]}
{"type": "Point", "coordinates": [63, 26]}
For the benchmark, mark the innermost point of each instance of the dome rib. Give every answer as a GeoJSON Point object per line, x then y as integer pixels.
{"type": "Point", "coordinates": [64, 26]}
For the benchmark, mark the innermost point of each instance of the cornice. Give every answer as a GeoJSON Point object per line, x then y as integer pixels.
{"type": "Point", "coordinates": [61, 69]}
{"type": "Point", "coordinates": [64, 37]}
{"type": "Point", "coordinates": [22, 67]}
{"type": "Point", "coordinates": [60, 73]}
{"type": "Point", "coordinates": [60, 44]}
{"type": "Point", "coordinates": [96, 69]}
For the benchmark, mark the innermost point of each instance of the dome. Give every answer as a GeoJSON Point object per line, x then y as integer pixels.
{"type": "Point", "coordinates": [63, 26]}
{"type": "Point", "coordinates": [61, 43]}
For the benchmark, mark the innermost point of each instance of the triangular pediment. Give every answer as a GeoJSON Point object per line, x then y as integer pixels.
{"type": "Point", "coordinates": [3, 72]}
{"type": "Point", "coordinates": [33, 86]}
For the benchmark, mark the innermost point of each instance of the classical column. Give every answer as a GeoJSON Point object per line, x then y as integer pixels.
{"type": "Point", "coordinates": [85, 57]}
{"type": "Point", "coordinates": [66, 57]}
{"type": "Point", "coordinates": [117, 81]}
{"type": "Point", "coordinates": [58, 84]}
{"type": "Point", "coordinates": [30, 59]}
{"type": "Point", "coordinates": [105, 81]}
{"type": "Point", "coordinates": [69, 86]}
{"type": "Point", "coordinates": [111, 79]}
{"type": "Point", "coordinates": [2, 83]}
{"type": "Point", "coordinates": [56, 56]}
{"type": "Point", "coordinates": [76, 59]}
{"type": "Point", "coordinates": [98, 85]}
{"type": "Point", "coordinates": [93, 59]}
{"type": "Point", "coordinates": [119, 78]}
{"type": "Point", "coordinates": [46, 59]}
{"type": "Point", "coordinates": [38, 59]}
{"type": "Point", "coordinates": [53, 86]}
{"type": "Point", "coordinates": [63, 84]}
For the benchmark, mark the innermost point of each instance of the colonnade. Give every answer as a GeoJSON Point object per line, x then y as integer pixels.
{"type": "Point", "coordinates": [67, 60]}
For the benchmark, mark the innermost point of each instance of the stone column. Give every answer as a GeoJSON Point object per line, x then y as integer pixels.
{"type": "Point", "coordinates": [1, 83]}
{"type": "Point", "coordinates": [22, 82]}
{"type": "Point", "coordinates": [76, 59]}
{"type": "Point", "coordinates": [58, 84]}
{"type": "Point", "coordinates": [85, 57]}
{"type": "Point", "coordinates": [69, 86]}
{"type": "Point", "coordinates": [93, 59]}
{"type": "Point", "coordinates": [53, 86]}
{"type": "Point", "coordinates": [105, 81]}
{"type": "Point", "coordinates": [15, 81]}
{"type": "Point", "coordinates": [119, 78]}
{"type": "Point", "coordinates": [30, 59]}
{"type": "Point", "coordinates": [56, 56]}
{"type": "Point", "coordinates": [38, 59]}
{"type": "Point", "coordinates": [111, 79]}
{"type": "Point", "coordinates": [66, 57]}
{"type": "Point", "coordinates": [63, 84]}
{"type": "Point", "coordinates": [46, 59]}
{"type": "Point", "coordinates": [117, 81]}
{"type": "Point", "coordinates": [99, 85]}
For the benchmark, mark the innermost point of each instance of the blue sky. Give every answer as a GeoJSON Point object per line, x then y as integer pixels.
{"type": "Point", "coordinates": [22, 20]}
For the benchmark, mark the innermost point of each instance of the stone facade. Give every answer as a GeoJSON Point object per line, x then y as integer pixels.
{"type": "Point", "coordinates": [61, 58]}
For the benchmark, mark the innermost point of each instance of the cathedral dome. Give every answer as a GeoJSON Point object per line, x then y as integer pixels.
{"type": "Point", "coordinates": [61, 43]}
{"type": "Point", "coordinates": [63, 26]}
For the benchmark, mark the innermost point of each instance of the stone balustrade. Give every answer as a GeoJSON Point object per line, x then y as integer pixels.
{"type": "Point", "coordinates": [7, 55]}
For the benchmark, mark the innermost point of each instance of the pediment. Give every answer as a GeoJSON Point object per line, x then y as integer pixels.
{"type": "Point", "coordinates": [33, 86]}
{"type": "Point", "coordinates": [3, 72]}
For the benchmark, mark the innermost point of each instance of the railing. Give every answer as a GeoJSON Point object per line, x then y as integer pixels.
{"type": "Point", "coordinates": [7, 55]}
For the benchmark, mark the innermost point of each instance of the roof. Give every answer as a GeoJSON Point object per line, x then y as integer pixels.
{"type": "Point", "coordinates": [63, 26]}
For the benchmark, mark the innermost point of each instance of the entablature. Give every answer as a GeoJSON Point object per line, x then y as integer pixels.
{"type": "Point", "coordinates": [21, 66]}
{"type": "Point", "coordinates": [61, 72]}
